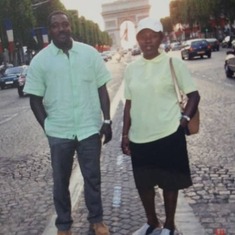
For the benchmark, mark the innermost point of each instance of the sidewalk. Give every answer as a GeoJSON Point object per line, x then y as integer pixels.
{"type": "Point", "coordinates": [123, 211]}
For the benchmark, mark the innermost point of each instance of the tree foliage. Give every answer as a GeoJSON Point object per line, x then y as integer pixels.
{"type": "Point", "coordinates": [201, 11]}
{"type": "Point", "coordinates": [27, 15]}
{"type": "Point", "coordinates": [20, 14]}
{"type": "Point", "coordinates": [167, 24]}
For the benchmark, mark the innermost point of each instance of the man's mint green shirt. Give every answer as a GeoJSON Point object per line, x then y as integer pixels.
{"type": "Point", "coordinates": [155, 111]}
{"type": "Point", "coordinates": [69, 87]}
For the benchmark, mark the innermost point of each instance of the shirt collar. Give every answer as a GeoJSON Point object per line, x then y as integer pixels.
{"type": "Point", "coordinates": [55, 50]}
{"type": "Point", "coordinates": [156, 59]}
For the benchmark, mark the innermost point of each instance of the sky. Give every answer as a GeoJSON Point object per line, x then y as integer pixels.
{"type": "Point", "coordinates": [91, 9]}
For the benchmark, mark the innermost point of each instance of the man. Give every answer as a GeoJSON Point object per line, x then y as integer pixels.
{"type": "Point", "coordinates": [67, 86]}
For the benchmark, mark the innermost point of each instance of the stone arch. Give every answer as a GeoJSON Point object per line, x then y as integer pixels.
{"type": "Point", "coordinates": [115, 13]}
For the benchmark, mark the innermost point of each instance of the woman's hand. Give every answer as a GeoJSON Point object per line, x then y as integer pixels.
{"type": "Point", "coordinates": [183, 122]}
{"type": "Point", "coordinates": [125, 145]}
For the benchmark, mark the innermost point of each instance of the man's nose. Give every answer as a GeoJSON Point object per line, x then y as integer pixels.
{"type": "Point", "coordinates": [61, 27]}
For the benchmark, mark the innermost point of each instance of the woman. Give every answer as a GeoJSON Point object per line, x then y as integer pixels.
{"type": "Point", "coordinates": [153, 128]}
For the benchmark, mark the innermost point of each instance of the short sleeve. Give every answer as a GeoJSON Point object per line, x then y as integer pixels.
{"type": "Point", "coordinates": [35, 79]}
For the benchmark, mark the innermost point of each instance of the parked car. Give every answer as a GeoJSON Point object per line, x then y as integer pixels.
{"type": "Point", "coordinates": [10, 76]}
{"type": "Point", "coordinates": [194, 48]}
{"type": "Point", "coordinates": [165, 47]}
{"type": "Point", "coordinates": [108, 53]}
{"type": "Point", "coordinates": [175, 46]}
{"type": "Point", "coordinates": [21, 81]}
{"type": "Point", "coordinates": [104, 56]}
{"type": "Point", "coordinates": [214, 43]}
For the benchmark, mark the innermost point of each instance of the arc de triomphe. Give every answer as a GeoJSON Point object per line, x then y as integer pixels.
{"type": "Point", "coordinates": [116, 12]}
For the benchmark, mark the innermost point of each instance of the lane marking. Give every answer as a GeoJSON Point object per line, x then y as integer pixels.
{"type": "Point", "coordinates": [9, 118]}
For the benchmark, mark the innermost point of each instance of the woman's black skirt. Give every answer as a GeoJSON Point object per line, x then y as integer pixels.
{"type": "Point", "coordinates": [162, 163]}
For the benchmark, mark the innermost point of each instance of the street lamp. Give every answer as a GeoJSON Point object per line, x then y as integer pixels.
{"type": "Point", "coordinates": [206, 30]}
{"type": "Point", "coordinates": [39, 3]}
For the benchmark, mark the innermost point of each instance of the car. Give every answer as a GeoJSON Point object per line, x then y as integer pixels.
{"type": "Point", "coordinates": [229, 65]}
{"type": "Point", "coordinates": [175, 46]}
{"type": "Point", "coordinates": [21, 81]}
{"type": "Point", "coordinates": [214, 43]}
{"type": "Point", "coordinates": [194, 48]}
{"type": "Point", "coordinates": [4, 67]}
{"type": "Point", "coordinates": [108, 54]}
{"type": "Point", "coordinates": [10, 76]}
{"type": "Point", "coordinates": [104, 56]}
{"type": "Point", "coordinates": [165, 47]}
{"type": "Point", "coordinates": [135, 51]}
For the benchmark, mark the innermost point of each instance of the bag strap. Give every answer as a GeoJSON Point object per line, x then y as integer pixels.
{"type": "Point", "coordinates": [174, 78]}
{"type": "Point", "coordinates": [177, 90]}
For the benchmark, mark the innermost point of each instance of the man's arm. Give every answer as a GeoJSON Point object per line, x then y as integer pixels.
{"type": "Point", "coordinates": [36, 104]}
{"type": "Point", "coordinates": [106, 129]}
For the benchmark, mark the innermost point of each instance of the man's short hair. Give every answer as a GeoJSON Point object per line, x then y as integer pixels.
{"type": "Point", "coordinates": [56, 12]}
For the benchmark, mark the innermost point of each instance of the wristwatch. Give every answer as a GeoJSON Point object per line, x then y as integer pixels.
{"type": "Point", "coordinates": [186, 117]}
{"type": "Point", "coordinates": [109, 122]}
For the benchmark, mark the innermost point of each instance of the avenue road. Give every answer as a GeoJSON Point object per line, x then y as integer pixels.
{"type": "Point", "coordinates": [25, 163]}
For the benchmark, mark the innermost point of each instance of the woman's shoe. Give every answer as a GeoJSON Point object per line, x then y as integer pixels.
{"type": "Point", "coordinates": [166, 231]}
{"type": "Point", "coordinates": [147, 229]}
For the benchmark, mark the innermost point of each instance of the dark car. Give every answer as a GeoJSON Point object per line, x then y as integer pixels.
{"type": "Point", "coordinates": [21, 81]}
{"type": "Point", "coordinates": [214, 43]}
{"type": "Point", "coordinates": [194, 48]}
{"type": "Point", "coordinates": [10, 76]}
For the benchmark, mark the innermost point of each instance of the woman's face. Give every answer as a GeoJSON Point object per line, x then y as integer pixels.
{"type": "Point", "coordinates": [149, 42]}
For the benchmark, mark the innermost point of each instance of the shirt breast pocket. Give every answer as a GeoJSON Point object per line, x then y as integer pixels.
{"type": "Point", "coordinates": [87, 74]}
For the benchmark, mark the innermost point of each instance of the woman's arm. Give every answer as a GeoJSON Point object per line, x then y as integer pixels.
{"type": "Point", "coordinates": [126, 127]}
{"type": "Point", "coordinates": [191, 107]}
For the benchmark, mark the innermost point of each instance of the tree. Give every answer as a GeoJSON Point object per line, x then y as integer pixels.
{"type": "Point", "coordinates": [29, 16]}
{"type": "Point", "coordinates": [201, 12]}
{"type": "Point", "coordinates": [20, 14]}
{"type": "Point", "coordinates": [167, 24]}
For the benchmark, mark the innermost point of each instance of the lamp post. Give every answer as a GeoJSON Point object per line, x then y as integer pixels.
{"type": "Point", "coordinates": [206, 30]}
{"type": "Point", "coordinates": [38, 3]}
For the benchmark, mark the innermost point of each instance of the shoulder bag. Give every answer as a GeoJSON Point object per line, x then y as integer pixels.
{"type": "Point", "coordinates": [193, 125]}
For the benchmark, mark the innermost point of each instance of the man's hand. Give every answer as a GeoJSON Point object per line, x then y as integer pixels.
{"type": "Point", "coordinates": [106, 132]}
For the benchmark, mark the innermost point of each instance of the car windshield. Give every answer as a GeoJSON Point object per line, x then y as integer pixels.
{"type": "Point", "coordinates": [14, 70]}
{"type": "Point", "coordinates": [198, 43]}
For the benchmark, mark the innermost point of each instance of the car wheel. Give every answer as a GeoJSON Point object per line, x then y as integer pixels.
{"type": "Point", "coordinates": [182, 57]}
{"type": "Point", "coordinates": [20, 92]}
{"type": "Point", "coordinates": [2, 87]}
{"type": "Point", "coordinates": [228, 71]}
